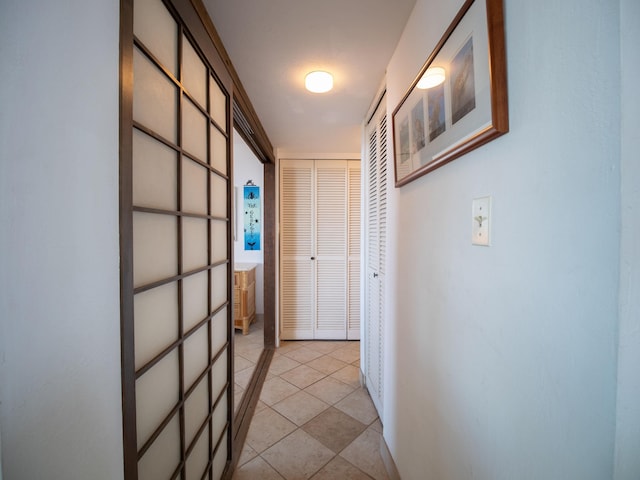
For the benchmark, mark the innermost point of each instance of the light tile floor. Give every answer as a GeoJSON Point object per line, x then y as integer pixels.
{"type": "Point", "coordinates": [313, 420]}
{"type": "Point", "coordinates": [247, 350]}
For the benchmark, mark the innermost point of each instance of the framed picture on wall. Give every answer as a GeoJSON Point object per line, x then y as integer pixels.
{"type": "Point", "coordinates": [458, 101]}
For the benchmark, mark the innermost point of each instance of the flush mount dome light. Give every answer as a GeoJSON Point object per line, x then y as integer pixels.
{"type": "Point", "coordinates": [318, 82]}
{"type": "Point", "coordinates": [433, 77]}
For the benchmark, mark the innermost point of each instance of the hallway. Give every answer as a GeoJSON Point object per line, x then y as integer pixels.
{"type": "Point", "coordinates": [313, 419]}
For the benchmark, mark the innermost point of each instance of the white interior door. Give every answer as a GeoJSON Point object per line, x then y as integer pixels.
{"type": "Point", "coordinates": [297, 248]}
{"type": "Point", "coordinates": [319, 253]}
{"type": "Point", "coordinates": [376, 229]}
{"type": "Point", "coordinates": [331, 250]}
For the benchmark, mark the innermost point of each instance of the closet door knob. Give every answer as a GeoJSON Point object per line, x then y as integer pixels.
{"type": "Point", "coordinates": [313, 258]}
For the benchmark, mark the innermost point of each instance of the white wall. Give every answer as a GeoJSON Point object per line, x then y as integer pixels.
{"type": "Point", "coordinates": [628, 413]}
{"type": "Point", "coordinates": [60, 401]}
{"type": "Point", "coordinates": [246, 166]}
{"type": "Point", "coordinates": [501, 361]}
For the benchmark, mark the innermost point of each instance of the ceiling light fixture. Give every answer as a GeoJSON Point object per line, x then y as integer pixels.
{"type": "Point", "coordinates": [433, 77]}
{"type": "Point", "coordinates": [318, 82]}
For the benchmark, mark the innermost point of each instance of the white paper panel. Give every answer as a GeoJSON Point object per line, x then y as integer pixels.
{"type": "Point", "coordinates": [220, 460]}
{"type": "Point", "coordinates": [199, 458]}
{"type": "Point", "coordinates": [154, 173]}
{"type": "Point", "coordinates": [154, 98]}
{"type": "Point", "coordinates": [196, 355]}
{"type": "Point", "coordinates": [156, 28]}
{"type": "Point", "coordinates": [156, 395]}
{"type": "Point", "coordinates": [219, 330]}
{"type": "Point", "coordinates": [155, 247]}
{"type": "Point", "coordinates": [159, 462]}
{"type": "Point", "coordinates": [219, 417]}
{"type": "Point", "coordinates": [218, 150]}
{"type": "Point", "coordinates": [219, 375]}
{"type": "Point", "coordinates": [218, 104]}
{"type": "Point", "coordinates": [219, 287]}
{"type": "Point", "coordinates": [218, 196]}
{"type": "Point", "coordinates": [194, 73]}
{"type": "Point", "coordinates": [194, 130]}
{"type": "Point", "coordinates": [218, 240]}
{"type": "Point", "coordinates": [194, 243]}
{"type": "Point", "coordinates": [194, 297]}
{"type": "Point", "coordinates": [194, 187]}
{"type": "Point", "coordinates": [155, 321]}
{"type": "Point", "coordinates": [196, 409]}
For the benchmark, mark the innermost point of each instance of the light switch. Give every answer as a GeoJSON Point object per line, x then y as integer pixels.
{"type": "Point", "coordinates": [481, 221]}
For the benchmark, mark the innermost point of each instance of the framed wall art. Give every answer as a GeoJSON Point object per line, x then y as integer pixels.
{"type": "Point", "coordinates": [458, 101]}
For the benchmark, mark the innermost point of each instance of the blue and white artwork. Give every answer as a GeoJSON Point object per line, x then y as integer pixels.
{"type": "Point", "coordinates": [251, 217]}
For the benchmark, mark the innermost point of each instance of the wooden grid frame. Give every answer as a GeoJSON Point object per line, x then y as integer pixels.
{"type": "Point", "coordinates": [185, 17]}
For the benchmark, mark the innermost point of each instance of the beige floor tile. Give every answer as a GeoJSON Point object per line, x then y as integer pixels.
{"type": "Point", "coordinates": [282, 364]}
{"type": "Point", "coordinates": [349, 375]}
{"type": "Point", "coordinates": [346, 354]}
{"type": "Point", "coordinates": [300, 407]}
{"type": "Point", "coordinates": [354, 345]}
{"type": "Point", "coordinates": [275, 390]}
{"type": "Point", "coordinates": [247, 454]}
{"type": "Point", "coordinates": [267, 428]}
{"type": "Point", "coordinates": [243, 377]}
{"type": "Point", "coordinates": [303, 355]}
{"type": "Point", "coordinates": [334, 429]}
{"type": "Point", "coordinates": [325, 347]}
{"type": "Point", "coordinates": [288, 346]}
{"type": "Point", "coordinates": [376, 426]}
{"type": "Point", "coordinates": [240, 363]}
{"type": "Point", "coordinates": [359, 405]}
{"type": "Point", "coordinates": [256, 469]}
{"type": "Point", "coordinates": [329, 390]}
{"type": "Point", "coordinates": [356, 363]}
{"type": "Point", "coordinates": [326, 364]}
{"type": "Point", "coordinates": [298, 456]}
{"type": "Point", "coordinates": [302, 376]}
{"type": "Point", "coordinates": [260, 406]}
{"type": "Point", "coordinates": [250, 351]}
{"type": "Point", "coordinates": [340, 469]}
{"type": "Point", "coordinates": [364, 453]}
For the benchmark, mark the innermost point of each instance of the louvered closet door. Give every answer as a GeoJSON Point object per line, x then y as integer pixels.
{"type": "Point", "coordinates": [177, 409]}
{"type": "Point", "coordinates": [320, 231]}
{"type": "Point", "coordinates": [376, 230]}
{"type": "Point", "coordinates": [297, 247]}
{"type": "Point", "coordinates": [331, 249]}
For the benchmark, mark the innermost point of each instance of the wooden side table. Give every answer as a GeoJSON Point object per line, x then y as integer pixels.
{"type": "Point", "coordinates": [244, 295]}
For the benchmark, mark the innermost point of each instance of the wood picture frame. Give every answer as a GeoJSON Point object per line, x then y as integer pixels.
{"type": "Point", "coordinates": [466, 105]}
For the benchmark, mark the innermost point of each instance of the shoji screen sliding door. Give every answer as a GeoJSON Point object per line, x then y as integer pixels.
{"type": "Point", "coordinates": [175, 246]}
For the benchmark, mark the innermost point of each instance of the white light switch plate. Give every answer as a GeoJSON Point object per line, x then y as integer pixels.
{"type": "Point", "coordinates": [481, 221]}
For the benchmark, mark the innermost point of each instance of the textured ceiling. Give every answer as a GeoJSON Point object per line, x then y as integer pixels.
{"type": "Point", "coordinates": [274, 43]}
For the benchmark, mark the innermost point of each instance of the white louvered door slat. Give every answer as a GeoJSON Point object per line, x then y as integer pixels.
{"type": "Point", "coordinates": [353, 253]}
{"type": "Point", "coordinates": [376, 218]}
{"type": "Point", "coordinates": [297, 245]}
{"type": "Point", "coordinates": [331, 249]}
